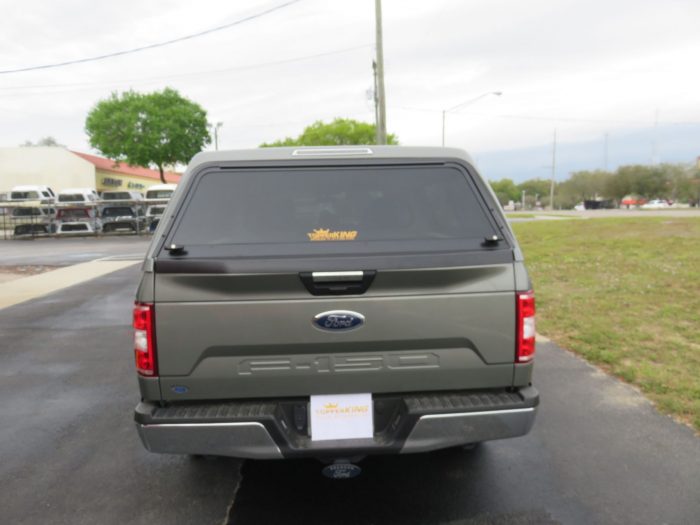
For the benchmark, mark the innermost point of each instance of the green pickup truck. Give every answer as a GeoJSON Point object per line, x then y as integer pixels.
{"type": "Point", "coordinates": [333, 302]}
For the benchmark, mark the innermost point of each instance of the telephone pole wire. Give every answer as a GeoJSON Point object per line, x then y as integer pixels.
{"type": "Point", "coordinates": [381, 96]}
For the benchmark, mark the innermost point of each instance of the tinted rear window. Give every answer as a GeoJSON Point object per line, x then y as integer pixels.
{"type": "Point", "coordinates": [116, 196]}
{"type": "Point", "coordinates": [118, 212]}
{"type": "Point", "coordinates": [159, 194]}
{"type": "Point", "coordinates": [73, 197]}
{"type": "Point", "coordinates": [348, 210]}
{"type": "Point", "coordinates": [24, 195]}
{"type": "Point", "coordinates": [26, 212]}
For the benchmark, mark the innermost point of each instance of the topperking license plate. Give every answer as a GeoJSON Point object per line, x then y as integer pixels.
{"type": "Point", "coordinates": [341, 416]}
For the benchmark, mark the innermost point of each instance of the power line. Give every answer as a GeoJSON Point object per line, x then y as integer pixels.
{"type": "Point", "coordinates": [150, 46]}
{"type": "Point", "coordinates": [89, 85]}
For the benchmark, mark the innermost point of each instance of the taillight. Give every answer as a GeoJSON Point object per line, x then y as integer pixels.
{"type": "Point", "coordinates": [525, 345]}
{"type": "Point", "coordinates": [144, 339]}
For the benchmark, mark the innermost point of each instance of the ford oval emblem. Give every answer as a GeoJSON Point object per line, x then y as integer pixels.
{"type": "Point", "coordinates": [338, 320]}
{"type": "Point", "coordinates": [341, 471]}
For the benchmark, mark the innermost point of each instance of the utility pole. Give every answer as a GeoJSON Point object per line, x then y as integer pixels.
{"type": "Point", "coordinates": [375, 97]}
{"type": "Point", "coordinates": [554, 171]}
{"type": "Point", "coordinates": [605, 153]}
{"type": "Point", "coordinates": [522, 200]}
{"type": "Point", "coordinates": [381, 95]}
{"type": "Point", "coordinates": [655, 147]}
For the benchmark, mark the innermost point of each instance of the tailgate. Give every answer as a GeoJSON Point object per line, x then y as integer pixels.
{"type": "Point", "coordinates": [238, 336]}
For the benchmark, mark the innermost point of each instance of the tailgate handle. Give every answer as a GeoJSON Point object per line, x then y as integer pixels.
{"type": "Point", "coordinates": [337, 283]}
{"type": "Point", "coordinates": [324, 277]}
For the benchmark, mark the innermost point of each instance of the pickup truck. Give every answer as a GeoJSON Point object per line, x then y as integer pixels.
{"type": "Point", "coordinates": [333, 303]}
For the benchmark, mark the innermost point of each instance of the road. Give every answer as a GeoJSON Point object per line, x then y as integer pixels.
{"type": "Point", "coordinates": [599, 452]}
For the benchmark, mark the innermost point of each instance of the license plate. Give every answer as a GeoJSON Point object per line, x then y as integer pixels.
{"type": "Point", "coordinates": [342, 416]}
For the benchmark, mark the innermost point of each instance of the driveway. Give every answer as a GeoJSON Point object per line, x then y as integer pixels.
{"type": "Point", "coordinates": [599, 452]}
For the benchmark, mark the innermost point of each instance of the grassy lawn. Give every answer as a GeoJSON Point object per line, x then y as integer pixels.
{"type": "Point", "coordinates": [520, 215]}
{"type": "Point", "coordinates": [625, 294]}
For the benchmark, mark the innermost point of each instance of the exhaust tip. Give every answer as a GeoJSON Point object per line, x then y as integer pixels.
{"type": "Point", "coordinates": [341, 469]}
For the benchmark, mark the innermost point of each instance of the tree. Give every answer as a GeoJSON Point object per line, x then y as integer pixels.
{"type": "Point", "coordinates": [339, 132]}
{"type": "Point", "coordinates": [505, 190]}
{"type": "Point", "coordinates": [583, 185]}
{"type": "Point", "coordinates": [535, 187]}
{"type": "Point", "coordinates": [152, 129]}
{"type": "Point", "coordinates": [646, 181]}
{"type": "Point", "coordinates": [43, 142]}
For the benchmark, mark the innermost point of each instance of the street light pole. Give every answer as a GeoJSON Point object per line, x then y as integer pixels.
{"type": "Point", "coordinates": [217, 126]}
{"type": "Point", "coordinates": [463, 104]}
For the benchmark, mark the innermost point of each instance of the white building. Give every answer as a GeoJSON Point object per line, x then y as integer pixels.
{"type": "Point", "coordinates": [60, 168]}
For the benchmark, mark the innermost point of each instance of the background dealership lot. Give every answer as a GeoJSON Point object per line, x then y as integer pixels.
{"type": "Point", "coordinates": [600, 451]}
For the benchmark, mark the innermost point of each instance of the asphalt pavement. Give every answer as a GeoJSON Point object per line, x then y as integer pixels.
{"type": "Point", "coordinates": [69, 453]}
{"type": "Point", "coordinates": [599, 453]}
{"type": "Point", "coordinates": [63, 251]}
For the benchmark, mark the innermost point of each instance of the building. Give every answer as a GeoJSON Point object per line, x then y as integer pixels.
{"type": "Point", "coordinates": [60, 168]}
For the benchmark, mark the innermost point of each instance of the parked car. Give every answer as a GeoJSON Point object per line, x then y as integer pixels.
{"type": "Point", "coordinates": [123, 219]}
{"type": "Point", "coordinates": [656, 204]}
{"type": "Point", "coordinates": [33, 220]}
{"type": "Point", "coordinates": [32, 192]}
{"type": "Point", "coordinates": [160, 192]}
{"type": "Point", "coordinates": [333, 303]}
{"type": "Point", "coordinates": [630, 201]}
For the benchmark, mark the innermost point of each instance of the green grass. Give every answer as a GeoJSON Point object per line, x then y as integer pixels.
{"type": "Point", "coordinates": [520, 215]}
{"type": "Point", "coordinates": [625, 294]}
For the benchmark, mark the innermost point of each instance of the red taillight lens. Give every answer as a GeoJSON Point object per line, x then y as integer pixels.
{"type": "Point", "coordinates": [144, 339]}
{"type": "Point", "coordinates": [525, 345]}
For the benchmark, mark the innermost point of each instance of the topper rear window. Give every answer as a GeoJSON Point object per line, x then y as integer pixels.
{"type": "Point", "coordinates": [334, 211]}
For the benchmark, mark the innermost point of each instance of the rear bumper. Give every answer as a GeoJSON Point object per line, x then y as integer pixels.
{"type": "Point", "coordinates": [433, 432]}
{"type": "Point", "coordinates": [241, 440]}
{"type": "Point", "coordinates": [273, 430]}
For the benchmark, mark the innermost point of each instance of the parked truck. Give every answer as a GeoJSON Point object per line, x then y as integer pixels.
{"type": "Point", "coordinates": [333, 303]}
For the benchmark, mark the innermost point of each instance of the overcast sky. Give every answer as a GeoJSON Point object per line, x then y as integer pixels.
{"type": "Point", "coordinates": [584, 67]}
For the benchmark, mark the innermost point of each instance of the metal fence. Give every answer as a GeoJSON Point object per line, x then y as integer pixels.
{"type": "Point", "coordinates": [48, 218]}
